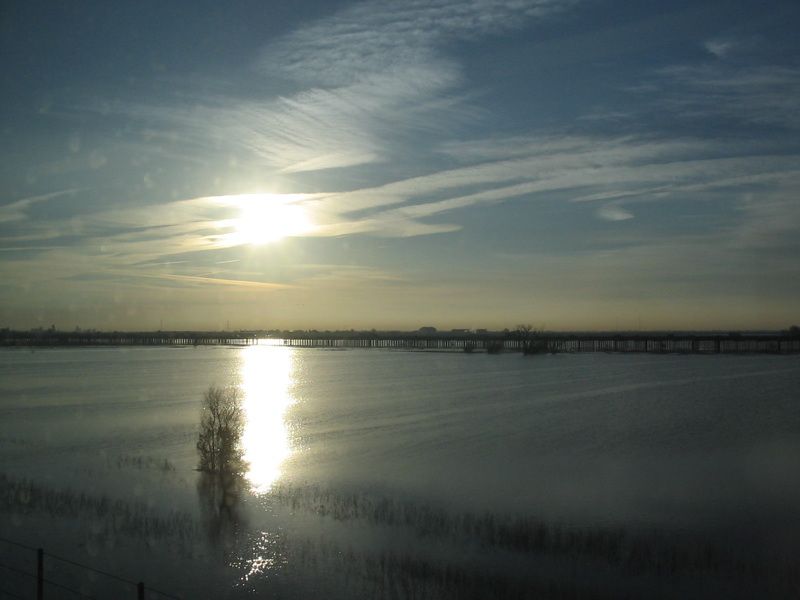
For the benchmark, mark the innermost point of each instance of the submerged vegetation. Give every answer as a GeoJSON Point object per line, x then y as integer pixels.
{"type": "Point", "coordinates": [435, 553]}
{"type": "Point", "coordinates": [150, 463]}
{"type": "Point", "coordinates": [613, 555]}
{"type": "Point", "coordinates": [21, 496]}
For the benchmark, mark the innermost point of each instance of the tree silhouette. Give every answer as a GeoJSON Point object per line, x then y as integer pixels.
{"type": "Point", "coordinates": [530, 339]}
{"type": "Point", "coordinates": [221, 427]}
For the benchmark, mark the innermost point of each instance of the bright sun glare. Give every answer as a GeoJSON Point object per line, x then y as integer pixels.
{"type": "Point", "coordinates": [267, 376]}
{"type": "Point", "coordinates": [265, 218]}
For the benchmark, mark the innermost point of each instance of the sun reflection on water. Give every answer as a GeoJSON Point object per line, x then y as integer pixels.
{"type": "Point", "coordinates": [266, 375]}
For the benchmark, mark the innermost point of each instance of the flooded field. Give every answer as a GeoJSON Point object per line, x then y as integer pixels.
{"type": "Point", "coordinates": [391, 474]}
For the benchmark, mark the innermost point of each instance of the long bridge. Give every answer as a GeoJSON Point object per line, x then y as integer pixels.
{"type": "Point", "coordinates": [127, 338]}
{"type": "Point", "coordinates": [696, 343]}
{"type": "Point", "coordinates": [491, 342]}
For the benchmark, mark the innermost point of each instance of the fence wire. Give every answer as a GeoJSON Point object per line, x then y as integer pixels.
{"type": "Point", "coordinates": [68, 561]}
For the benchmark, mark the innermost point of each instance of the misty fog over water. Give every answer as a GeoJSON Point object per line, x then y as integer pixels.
{"type": "Point", "coordinates": [409, 474]}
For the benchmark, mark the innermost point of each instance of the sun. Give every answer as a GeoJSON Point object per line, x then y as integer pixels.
{"type": "Point", "coordinates": [266, 218]}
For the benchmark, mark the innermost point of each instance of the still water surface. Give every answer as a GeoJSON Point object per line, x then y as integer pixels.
{"type": "Point", "coordinates": [366, 467]}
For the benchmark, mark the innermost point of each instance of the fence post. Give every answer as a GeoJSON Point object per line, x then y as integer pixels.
{"type": "Point", "coordinates": [40, 574]}
{"type": "Point", "coordinates": [140, 591]}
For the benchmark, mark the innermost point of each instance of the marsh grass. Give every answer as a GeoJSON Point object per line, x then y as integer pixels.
{"type": "Point", "coordinates": [405, 576]}
{"type": "Point", "coordinates": [142, 463]}
{"type": "Point", "coordinates": [430, 552]}
{"type": "Point", "coordinates": [116, 517]}
{"type": "Point", "coordinates": [634, 552]}
{"type": "Point", "coordinates": [417, 573]}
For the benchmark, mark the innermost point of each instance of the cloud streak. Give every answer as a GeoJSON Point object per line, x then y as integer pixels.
{"type": "Point", "coordinates": [365, 83]}
{"type": "Point", "coordinates": [758, 95]}
{"type": "Point", "coordinates": [614, 172]}
{"type": "Point", "coordinates": [373, 37]}
{"type": "Point", "coordinates": [205, 280]}
{"type": "Point", "coordinates": [581, 170]}
{"type": "Point", "coordinates": [18, 209]}
{"type": "Point", "coordinates": [720, 47]}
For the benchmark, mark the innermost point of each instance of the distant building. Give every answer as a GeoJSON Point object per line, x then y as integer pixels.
{"type": "Point", "coordinates": [481, 331]}
{"type": "Point", "coordinates": [459, 331]}
{"type": "Point", "coordinates": [427, 330]}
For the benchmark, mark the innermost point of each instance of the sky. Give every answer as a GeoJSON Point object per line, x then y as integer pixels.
{"type": "Point", "coordinates": [572, 164]}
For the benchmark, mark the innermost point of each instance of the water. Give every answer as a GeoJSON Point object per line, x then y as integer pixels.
{"type": "Point", "coordinates": [370, 471]}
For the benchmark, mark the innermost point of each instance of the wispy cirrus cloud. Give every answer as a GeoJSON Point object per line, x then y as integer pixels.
{"type": "Point", "coordinates": [17, 210]}
{"type": "Point", "coordinates": [611, 172]}
{"type": "Point", "coordinates": [720, 47]}
{"type": "Point", "coordinates": [758, 95]}
{"type": "Point", "coordinates": [614, 213]}
{"type": "Point", "coordinates": [590, 169]}
{"type": "Point", "coordinates": [771, 220]}
{"type": "Point", "coordinates": [378, 71]}
{"type": "Point", "coordinates": [375, 37]}
{"type": "Point", "coordinates": [316, 128]}
{"type": "Point", "coordinates": [365, 83]}
{"type": "Point", "coordinates": [209, 280]}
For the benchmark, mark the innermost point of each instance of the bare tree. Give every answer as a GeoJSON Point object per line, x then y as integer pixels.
{"type": "Point", "coordinates": [221, 428]}
{"type": "Point", "coordinates": [531, 341]}
{"type": "Point", "coordinates": [524, 331]}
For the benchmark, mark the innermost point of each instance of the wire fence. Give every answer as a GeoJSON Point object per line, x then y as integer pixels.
{"type": "Point", "coordinates": [40, 583]}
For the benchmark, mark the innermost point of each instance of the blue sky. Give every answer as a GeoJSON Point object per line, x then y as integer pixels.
{"type": "Point", "coordinates": [574, 164]}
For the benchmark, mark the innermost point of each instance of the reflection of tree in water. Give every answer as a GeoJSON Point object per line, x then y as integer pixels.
{"type": "Point", "coordinates": [220, 497]}
{"type": "Point", "coordinates": [221, 484]}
